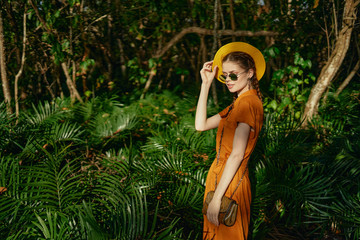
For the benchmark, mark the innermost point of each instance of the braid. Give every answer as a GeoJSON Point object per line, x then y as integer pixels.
{"type": "Point", "coordinates": [235, 96]}
{"type": "Point", "coordinates": [255, 84]}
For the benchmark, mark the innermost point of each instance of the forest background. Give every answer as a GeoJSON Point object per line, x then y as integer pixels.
{"type": "Point", "coordinates": [97, 137]}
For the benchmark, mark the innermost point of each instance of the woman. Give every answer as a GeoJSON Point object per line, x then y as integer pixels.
{"type": "Point", "coordinates": [240, 66]}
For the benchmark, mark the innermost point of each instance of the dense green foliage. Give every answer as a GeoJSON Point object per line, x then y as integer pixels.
{"type": "Point", "coordinates": [113, 46]}
{"type": "Point", "coordinates": [104, 170]}
{"type": "Point", "coordinates": [116, 167]}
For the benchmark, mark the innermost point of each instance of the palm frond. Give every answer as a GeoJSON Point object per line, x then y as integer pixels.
{"type": "Point", "coordinates": [171, 161]}
{"type": "Point", "coordinates": [106, 125]}
{"type": "Point", "coordinates": [3, 111]}
{"type": "Point", "coordinates": [44, 113]}
{"type": "Point", "coordinates": [89, 110]}
{"type": "Point", "coordinates": [282, 140]}
{"type": "Point", "coordinates": [129, 220]}
{"type": "Point", "coordinates": [55, 181]}
{"type": "Point", "coordinates": [346, 163]}
{"type": "Point", "coordinates": [170, 232]}
{"type": "Point", "coordinates": [110, 186]}
{"type": "Point", "coordinates": [199, 176]}
{"type": "Point", "coordinates": [347, 214]}
{"type": "Point", "coordinates": [5, 117]}
{"type": "Point", "coordinates": [6, 127]}
{"type": "Point", "coordinates": [89, 224]}
{"type": "Point", "coordinates": [298, 190]}
{"type": "Point", "coordinates": [10, 197]}
{"type": "Point", "coordinates": [189, 195]}
{"type": "Point", "coordinates": [53, 226]}
{"type": "Point", "coordinates": [181, 136]}
{"type": "Point", "coordinates": [65, 132]}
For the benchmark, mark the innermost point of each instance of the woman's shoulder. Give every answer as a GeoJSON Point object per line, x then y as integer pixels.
{"type": "Point", "coordinates": [249, 100]}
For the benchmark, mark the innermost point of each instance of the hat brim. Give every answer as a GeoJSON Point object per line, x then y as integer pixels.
{"type": "Point", "coordinates": [259, 60]}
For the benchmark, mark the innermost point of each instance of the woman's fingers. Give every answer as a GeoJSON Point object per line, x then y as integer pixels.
{"type": "Point", "coordinates": [207, 75]}
{"type": "Point", "coordinates": [213, 218]}
{"type": "Point", "coordinates": [207, 66]}
{"type": "Point", "coordinates": [208, 69]}
{"type": "Point", "coordinates": [213, 212]}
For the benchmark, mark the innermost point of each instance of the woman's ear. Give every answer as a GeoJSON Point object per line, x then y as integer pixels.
{"type": "Point", "coordinates": [250, 73]}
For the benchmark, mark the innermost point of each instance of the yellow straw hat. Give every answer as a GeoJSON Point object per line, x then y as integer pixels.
{"type": "Point", "coordinates": [239, 47]}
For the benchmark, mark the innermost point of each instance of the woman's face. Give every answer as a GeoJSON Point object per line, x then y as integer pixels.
{"type": "Point", "coordinates": [241, 84]}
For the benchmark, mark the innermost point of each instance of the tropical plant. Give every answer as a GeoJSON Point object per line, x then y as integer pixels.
{"type": "Point", "coordinates": [104, 170]}
{"type": "Point", "coordinates": [290, 85]}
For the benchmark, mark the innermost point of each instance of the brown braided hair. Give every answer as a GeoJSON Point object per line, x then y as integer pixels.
{"type": "Point", "coordinates": [246, 62]}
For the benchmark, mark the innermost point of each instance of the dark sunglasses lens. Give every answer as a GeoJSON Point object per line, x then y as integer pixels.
{"type": "Point", "coordinates": [222, 78]}
{"type": "Point", "coordinates": [233, 76]}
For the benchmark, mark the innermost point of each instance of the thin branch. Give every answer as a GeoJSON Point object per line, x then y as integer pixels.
{"type": "Point", "coordinates": [199, 31]}
{"type": "Point", "coordinates": [216, 27]}
{"type": "Point", "coordinates": [48, 85]}
{"type": "Point", "coordinates": [191, 60]}
{"type": "Point", "coordinates": [72, 88]}
{"type": "Point", "coordinates": [327, 38]}
{"type": "Point", "coordinates": [214, 46]}
{"type": "Point", "coordinates": [232, 18]}
{"type": "Point", "coordinates": [209, 32]}
{"type": "Point", "coordinates": [122, 57]}
{"type": "Point", "coordinates": [222, 18]}
{"type": "Point", "coordinates": [148, 82]}
{"type": "Point", "coordinates": [348, 78]}
{"type": "Point", "coordinates": [335, 20]}
{"type": "Point", "coordinates": [21, 67]}
{"type": "Point", "coordinates": [39, 17]}
{"type": "Point", "coordinates": [88, 26]}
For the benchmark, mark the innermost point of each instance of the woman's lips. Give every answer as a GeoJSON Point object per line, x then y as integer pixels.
{"type": "Point", "coordinates": [230, 86]}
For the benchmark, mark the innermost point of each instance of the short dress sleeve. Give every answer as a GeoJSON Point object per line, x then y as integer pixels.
{"type": "Point", "coordinates": [245, 112]}
{"type": "Point", "coordinates": [224, 112]}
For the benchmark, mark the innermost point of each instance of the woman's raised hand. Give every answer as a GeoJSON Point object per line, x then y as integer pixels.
{"type": "Point", "coordinates": [207, 75]}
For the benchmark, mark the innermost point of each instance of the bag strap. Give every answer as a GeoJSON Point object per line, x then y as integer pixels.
{"type": "Point", "coordinates": [218, 156]}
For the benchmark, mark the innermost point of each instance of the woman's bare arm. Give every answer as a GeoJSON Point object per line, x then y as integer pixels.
{"type": "Point", "coordinates": [232, 165]}
{"type": "Point", "coordinates": [202, 123]}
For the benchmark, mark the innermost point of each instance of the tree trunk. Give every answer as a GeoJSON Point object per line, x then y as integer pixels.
{"type": "Point", "coordinates": [232, 17]}
{"type": "Point", "coordinates": [332, 66]}
{"type": "Point", "coordinates": [56, 74]}
{"type": "Point", "coordinates": [12, 21]}
{"type": "Point", "coordinates": [73, 91]}
{"type": "Point", "coordinates": [73, 72]}
{"type": "Point", "coordinates": [200, 59]}
{"type": "Point", "coordinates": [4, 79]}
{"type": "Point", "coordinates": [214, 47]}
{"type": "Point", "coordinates": [21, 67]}
{"type": "Point", "coordinates": [148, 82]}
{"type": "Point", "coordinates": [122, 58]}
{"type": "Point", "coordinates": [109, 44]}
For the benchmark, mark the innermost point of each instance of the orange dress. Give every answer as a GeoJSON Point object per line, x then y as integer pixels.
{"type": "Point", "coordinates": [247, 109]}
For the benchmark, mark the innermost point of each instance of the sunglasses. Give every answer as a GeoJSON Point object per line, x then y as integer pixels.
{"type": "Point", "coordinates": [232, 76]}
